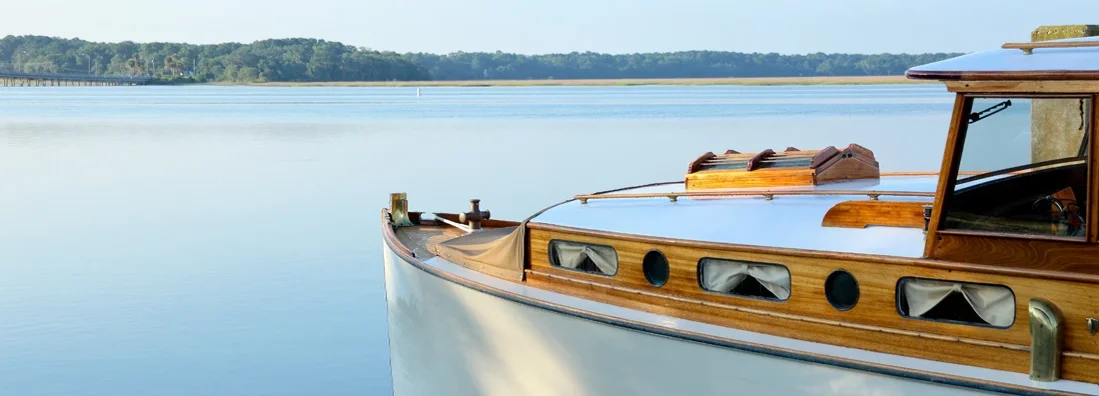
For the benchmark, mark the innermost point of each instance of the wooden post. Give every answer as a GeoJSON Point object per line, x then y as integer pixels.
{"type": "Point", "coordinates": [1055, 128]}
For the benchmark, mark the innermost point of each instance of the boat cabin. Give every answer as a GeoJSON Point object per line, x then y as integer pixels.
{"type": "Point", "coordinates": [991, 262]}
{"type": "Point", "coordinates": [1023, 119]}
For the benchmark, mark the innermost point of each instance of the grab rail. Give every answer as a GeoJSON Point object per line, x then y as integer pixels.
{"type": "Point", "coordinates": [1028, 48]}
{"type": "Point", "coordinates": [766, 194]}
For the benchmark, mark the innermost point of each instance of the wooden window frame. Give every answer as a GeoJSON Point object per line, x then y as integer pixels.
{"type": "Point", "coordinates": [955, 141]}
{"type": "Point", "coordinates": [554, 264]}
{"type": "Point", "coordinates": [897, 294]}
{"type": "Point", "coordinates": [698, 279]}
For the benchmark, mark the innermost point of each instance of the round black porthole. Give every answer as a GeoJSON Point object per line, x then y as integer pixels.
{"type": "Point", "coordinates": [842, 290]}
{"type": "Point", "coordinates": [655, 267]}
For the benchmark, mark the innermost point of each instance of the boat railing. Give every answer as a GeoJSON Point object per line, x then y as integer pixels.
{"type": "Point", "coordinates": [766, 194]}
{"type": "Point", "coordinates": [1028, 48]}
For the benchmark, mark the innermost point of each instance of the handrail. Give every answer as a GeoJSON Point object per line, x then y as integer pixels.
{"type": "Point", "coordinates": [766, 194]}
{"type": "Point", "coordinates": [1028, 48]}
{"type": "Point", "coordinates": [873, 194]}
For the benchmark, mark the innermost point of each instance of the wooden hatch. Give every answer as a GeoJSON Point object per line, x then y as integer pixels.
{"type": "Point", "coordinates": [791, 167]}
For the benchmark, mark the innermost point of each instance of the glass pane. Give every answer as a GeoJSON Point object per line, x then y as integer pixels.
{"type": "Point", "coordinates": [1023, 167]}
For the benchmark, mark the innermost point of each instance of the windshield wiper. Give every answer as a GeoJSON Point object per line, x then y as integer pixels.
{"type": "Point", "coordinates": [996, 108]}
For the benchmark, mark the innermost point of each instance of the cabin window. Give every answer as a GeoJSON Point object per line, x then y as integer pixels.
{"type": "Point", "coordinates": [841, 289]}
{"type": "Point", "coordinates": [956, 302]}
{"type": "Point", "coordinates": [655, 267]}
{"type": "Point", "coordinates": [744, 278]}
{"type": "Point", "coordinates": [1023, 167]}
{"type": "Point", "coordinates": [586, 257]}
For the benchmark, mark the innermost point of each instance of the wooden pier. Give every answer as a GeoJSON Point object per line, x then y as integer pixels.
{"type": "Point", "coordinates": [19, 79]}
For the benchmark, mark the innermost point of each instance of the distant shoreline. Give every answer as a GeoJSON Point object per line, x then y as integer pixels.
{"type": "Point", "coordinates": [751, 81]}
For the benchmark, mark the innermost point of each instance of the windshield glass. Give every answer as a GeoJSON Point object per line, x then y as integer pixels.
{"type": "Point", "coordinates": [1010, 135]}
{"type": "Point", "coordinates": [1023, 167]}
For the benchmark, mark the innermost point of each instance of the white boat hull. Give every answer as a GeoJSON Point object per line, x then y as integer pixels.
{"type": "Point", "coordinates": [447, 338]}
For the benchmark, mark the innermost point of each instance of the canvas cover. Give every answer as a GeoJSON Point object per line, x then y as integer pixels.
{"type": "Point", "coordinates": [573, 254]}
{"type": "Point", "coordinates": [725, 275]}
{"type": "Point", "coordinates": [497, 252]}
{"type": "Point", "coordinates": [993, 303]}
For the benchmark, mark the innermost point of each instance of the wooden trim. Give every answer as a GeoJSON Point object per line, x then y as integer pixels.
{"type": "Point", "coordinates": [926, 263]}
{"type": "Point", "coordinates": [695, 165]}
{"type": "Point", "coordinates": [1028, 47]}
{"type": "Point", "coordinates": [390, 239]}
{"type": "Point", "coordinates": [823, 156]}
{"type": "Point", "coordinates": [883, 174]}
{"type": "Point", "coordinates": [769, 194]}
{"type": "Point", "coordinates": [754, 162]}
{"type": "Point", "coordinates": [388, 232]}
{"type": "Point", "coordinates": [759, 178]}
{"type": "Point", "coordinates": [860, 214]}
{"type": "Point", "coordinates": [795, 317]}
{"type": "Point", "coordinates": [806, 315]}
{"type": "Point", "coordinates": [955, 137]}
{"type": "Point", "coordinates": [1023, 87]}
{"type": "Point", "coordinates": [1034, 75]}
{"type": "Point", "coordinates": [1076, 257]}
{"type": "Point", "coordinates": [1047, 252]}
{"type": "Point", "coordinates": [1003, 235]}
{"type": "Point", "coordinates": [1093, 173]}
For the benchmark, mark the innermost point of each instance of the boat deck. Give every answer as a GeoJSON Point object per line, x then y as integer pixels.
{"type": "Point", "coordinates": [786, 221]}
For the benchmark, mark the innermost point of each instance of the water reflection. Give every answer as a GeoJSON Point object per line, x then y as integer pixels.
{"type": "Point", "coordinates": [216, 240]}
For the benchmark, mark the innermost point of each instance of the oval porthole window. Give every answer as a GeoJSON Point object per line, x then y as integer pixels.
{"type": "Point", "coordinates": [842, 290]}
{"type": "Point", "coordinates": [655, 266]}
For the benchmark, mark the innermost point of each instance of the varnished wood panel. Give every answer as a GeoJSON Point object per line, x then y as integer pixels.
{"type": "Point", "coordinates": [1027, 47]}
{"type": "Point", "coordinates": [949, 170]}
{"type": "Point", "coordinates": [1024, 87]}
{"type": "Point", "coordinates": [826, 165]}
{"type": "Point", "coordinates": [1014, 251]}
{"type": "Point", "coordinates": [873, 324]}
{"type": "Point", "coordinates": [697, 163]}
{"type": "Point", "coordinates": [756, 178]}
{"type": "Point", "coordinates": [859, 214]}
{"type": "Point", "coordinates": [847, 169]}
{"type": "Point", "coordinates": [1093, 174]}
{"type": "Point", "coordinates": [1053, 75]}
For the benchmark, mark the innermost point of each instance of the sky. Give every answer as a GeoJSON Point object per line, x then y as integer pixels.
{"type": "Point", "coordinates": [553, 26]}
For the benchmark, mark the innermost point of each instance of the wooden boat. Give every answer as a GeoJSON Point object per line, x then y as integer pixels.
{"type": "Point", "coordinates": [788, 271]}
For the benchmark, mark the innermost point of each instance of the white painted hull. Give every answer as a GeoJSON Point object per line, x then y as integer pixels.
{"type": "Point", "coordinates": [449, 339]}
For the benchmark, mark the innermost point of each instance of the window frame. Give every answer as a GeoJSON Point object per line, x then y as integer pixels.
{"type": "Point", "coordinates": [698, 279]}
{"type": "Point", "coordinates": [897, 304]}
{"type": "Point", "coordinates": [950, 170]}
{"type": "Point", "coordinates": [554, 264]}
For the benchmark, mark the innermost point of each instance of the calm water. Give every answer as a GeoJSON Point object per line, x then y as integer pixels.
{"type": "Point", "coordinates": [223, 241]}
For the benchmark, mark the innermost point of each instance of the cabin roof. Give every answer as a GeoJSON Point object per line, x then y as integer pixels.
{"type": "Point", "coordinates": [787, 221]}
{"type": "Point", "coordinates": [1068, 63]}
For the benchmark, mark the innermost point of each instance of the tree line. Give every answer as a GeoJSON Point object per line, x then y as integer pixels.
{"type": "Point", "coordinates": [312, 60]}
